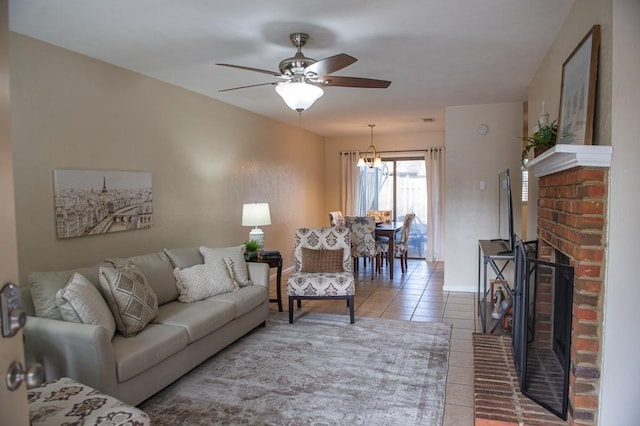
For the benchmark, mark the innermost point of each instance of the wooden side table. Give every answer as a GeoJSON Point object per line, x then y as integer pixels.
{"type": "Point", "coordinates": [274, 262]}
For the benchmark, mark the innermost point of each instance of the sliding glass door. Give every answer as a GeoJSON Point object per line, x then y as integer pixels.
{"type": "Point", "coordinates": [400, 186]}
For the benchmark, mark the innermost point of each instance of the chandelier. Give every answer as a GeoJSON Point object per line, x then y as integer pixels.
{"type": "Point", "coordinates": [370, 158]}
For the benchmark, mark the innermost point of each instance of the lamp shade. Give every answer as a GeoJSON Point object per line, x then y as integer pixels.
{"type": "Point", "coordinates": [299, 96]}
{"type": "Point", "coordinates": [256, 214]}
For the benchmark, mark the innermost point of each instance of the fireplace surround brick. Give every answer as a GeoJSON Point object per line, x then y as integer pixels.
{"type": "Point", "coordinates": [572, 218]}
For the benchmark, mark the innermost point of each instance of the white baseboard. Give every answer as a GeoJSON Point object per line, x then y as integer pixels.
{"type": "Point", "coordinates": [461, 288]}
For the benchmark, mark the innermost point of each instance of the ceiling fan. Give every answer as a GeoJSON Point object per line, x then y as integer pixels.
{"type": "Point", "coordinates": [302, 78]}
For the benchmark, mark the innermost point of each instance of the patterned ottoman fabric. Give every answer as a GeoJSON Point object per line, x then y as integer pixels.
{"type": "Point", "coordinates": [66, 402]}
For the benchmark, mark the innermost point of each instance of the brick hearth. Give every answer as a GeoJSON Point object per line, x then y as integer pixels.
{"type": "Point", "coordinates": [498, 400]}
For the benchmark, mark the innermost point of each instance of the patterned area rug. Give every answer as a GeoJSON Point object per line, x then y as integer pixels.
{"type": "Point", "coordinates": [321, 370]}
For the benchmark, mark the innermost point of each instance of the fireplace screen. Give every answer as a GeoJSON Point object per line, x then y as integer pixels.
{"type": "Point", "coordinates": [542, 329]}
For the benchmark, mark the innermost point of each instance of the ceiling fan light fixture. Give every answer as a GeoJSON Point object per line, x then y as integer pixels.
{"type": "Point", "coordinates": [299, 96]}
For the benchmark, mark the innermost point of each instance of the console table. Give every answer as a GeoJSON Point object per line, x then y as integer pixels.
{"type": "Point", "coordinates": [492, 253]}
{"type": "Point", "coordinates": [274, 262]}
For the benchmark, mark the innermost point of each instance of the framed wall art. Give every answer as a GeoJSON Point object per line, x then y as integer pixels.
{"type": "Point", "coordinates": [91, 202]}
{"type": "Point", "coordinates": [578, 93]}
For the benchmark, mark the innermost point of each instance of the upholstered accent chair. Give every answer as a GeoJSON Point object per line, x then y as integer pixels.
{"type": "Point", "coordinates": [336, 219]}
{"type": "Point", "coordinates": [323, 267]}
{"type": "Point", "coordinates": [381, 216]}
{"type": "Point", "coordinates": [363, 240]}
{"type": "Point", "coordinates": [401, 246]}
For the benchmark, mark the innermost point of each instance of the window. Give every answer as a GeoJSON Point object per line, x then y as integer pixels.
{"type": "Point", "coordinates": [400, 186]}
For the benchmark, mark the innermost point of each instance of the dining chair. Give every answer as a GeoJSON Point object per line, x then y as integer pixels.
{"type": "Point", "coordinates": [363, 240]}
{"type": "Point", "coordinates": [381, 216]}
{"type": "Point", "coordinates": [322, 267]}
{"type": "Point", "coordinates": [336, 219]}
{"type": "Point", "coordinates": [401, 246]}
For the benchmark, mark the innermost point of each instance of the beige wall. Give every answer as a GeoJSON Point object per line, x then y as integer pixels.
{"type": "Point", "coordinates": [206, 158]}
{"type": "Point", "coordinates": [547, 81]}
{"type": "Point", "coordinates": [13, 405]}
{"type": "Point", "coordinates": [620, 376]}
{"type": "Point", "coordinates": [381, 141]}
{"type": "Point", "coordinates": [472, 213]}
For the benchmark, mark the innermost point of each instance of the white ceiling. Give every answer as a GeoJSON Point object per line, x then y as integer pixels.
{"type": "Point", "coordinates": [437, 53]}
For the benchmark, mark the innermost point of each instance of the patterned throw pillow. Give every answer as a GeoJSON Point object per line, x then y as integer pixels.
{"type": "Point", "coordinates": [320, 260]}
{"type": "Point", "coordinates": [79, 301]}
{"type": "Point", "coordinates": [235, 254]}
{"type": "Point", "coordinates": [201, 281]}
{"type": "Point", "coordinates": [131, 299]}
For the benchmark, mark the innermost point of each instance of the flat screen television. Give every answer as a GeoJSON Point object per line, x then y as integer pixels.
{"type": "Point", "coordinates": [505, 214]}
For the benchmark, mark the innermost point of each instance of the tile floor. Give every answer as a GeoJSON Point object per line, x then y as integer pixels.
{"type": "Point", "coordinates": [417, 295]}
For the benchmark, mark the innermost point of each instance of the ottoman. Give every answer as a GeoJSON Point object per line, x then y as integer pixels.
{"type": "Point", "coordinates": [65, 401]}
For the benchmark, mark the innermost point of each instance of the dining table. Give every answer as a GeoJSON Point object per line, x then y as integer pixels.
{"type": "Point", "coordinates": [389, 229]}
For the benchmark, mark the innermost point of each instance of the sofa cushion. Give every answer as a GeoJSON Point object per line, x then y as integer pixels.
{"type": "Point", "coordinates": [141, 352]}
{"type": "Point", "coordinates": [79, 301]}
{"type": "Point", "coordinates": [198, 318]}
{"type": "Point", "coordinates": [43, 287]}
{"type": "Point", "coordinates": [240, 272]}
{"type": "Point", "coordinates": [201, 281]}
{"type": "Point", "coordinates": [158, 270]}
{"type": "Point", "coordinates": [130, 298]}
{"type": "Point", "coordinates": [243, 300]}
{"type": "Point", "coordinates": [184, 257]}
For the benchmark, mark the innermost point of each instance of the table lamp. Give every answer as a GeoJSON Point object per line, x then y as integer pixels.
{"type": "Point", "coordinates": [256, 214]}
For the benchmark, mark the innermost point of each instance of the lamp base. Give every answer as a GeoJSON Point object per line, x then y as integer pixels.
{"type": "Point", "coordinates": [257, 235]}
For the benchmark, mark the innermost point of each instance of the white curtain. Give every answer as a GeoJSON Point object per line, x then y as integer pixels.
{"type": "Point", "coordinates": [434, 161]}
{"type": "Point", "coordinates": [368, 188]}
{"type": "Point", "coordinates": [349, 179]}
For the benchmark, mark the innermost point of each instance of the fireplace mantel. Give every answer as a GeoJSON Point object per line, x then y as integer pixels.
{"type": "Point", "coordinates": [563, 157]}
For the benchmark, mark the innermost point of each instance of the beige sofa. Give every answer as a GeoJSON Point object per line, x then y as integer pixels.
{"type": "Point", "coordinates": [181, 336]}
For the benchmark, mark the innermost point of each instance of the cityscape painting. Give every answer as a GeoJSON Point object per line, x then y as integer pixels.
{"type": "Point", "coordinates": [91, 202]}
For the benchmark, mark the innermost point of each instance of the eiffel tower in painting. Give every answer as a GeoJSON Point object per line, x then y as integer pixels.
{"type": "Point", "coordinates": [104, 185]}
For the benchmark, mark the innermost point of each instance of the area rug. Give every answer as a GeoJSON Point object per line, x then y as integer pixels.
{"type": "Point", "coordinates": [321, 370]}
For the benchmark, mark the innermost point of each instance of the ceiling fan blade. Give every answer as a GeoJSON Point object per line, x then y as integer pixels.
{"type": "Point", "coordinates": [332, 80]}
{"type": "Point", "coordinates": [251, 85]}
{"type": "Point", "coordinates": [331, 64]}
{"type": "Point", "coordinates": [273, 73]}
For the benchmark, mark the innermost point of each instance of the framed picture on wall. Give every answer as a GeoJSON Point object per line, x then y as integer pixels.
{"type": "Point", "coordinates": [578, 94]}
{"type": "Point", "coordinates": [92, 202]}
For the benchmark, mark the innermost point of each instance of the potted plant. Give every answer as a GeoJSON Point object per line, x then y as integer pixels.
{"type": "Point", "coordinates": [251, 249]}
{"type": "Point", "coordinates": [544, 138]}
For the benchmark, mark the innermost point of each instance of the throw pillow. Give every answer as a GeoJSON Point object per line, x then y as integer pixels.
{"type": "Point", "coordinates": [320, 260]}
{"type": "Point", "coordinates": [130, 298]}
{"type": "Point", "coordinates": [201, 281]}
{"type": "Point", "coordinates": [184, 257]}
{"type": "Point", "coordinates": [235, 254]}
{"type": "Point", "coordinates": [79, 301]}
{"type": "Point", "coordinates": [43, 287]}
{"type": "Point", "coordinates": [158, 270]}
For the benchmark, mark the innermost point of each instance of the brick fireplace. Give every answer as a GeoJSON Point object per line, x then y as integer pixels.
{"type": "Point", "coordinates": [572, 229]}
{"type": "Point", "coordinates": [572, 206]}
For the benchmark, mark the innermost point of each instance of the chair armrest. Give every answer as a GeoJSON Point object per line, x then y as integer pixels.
{"type": "Point", "coordinates": [67, 349]}
{"type": "Point", "coordinates": [259, 273]}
